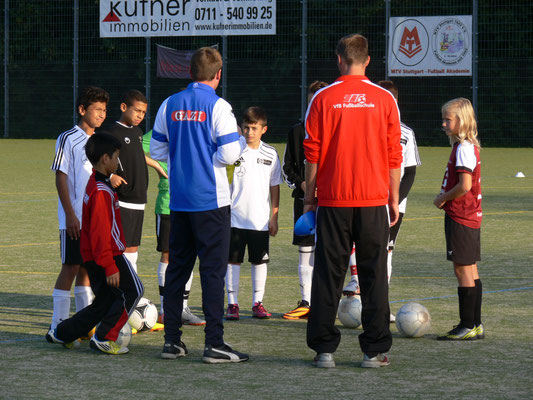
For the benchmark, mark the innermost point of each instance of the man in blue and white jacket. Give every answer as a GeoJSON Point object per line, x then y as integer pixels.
{"type": "Point", "coordinates": [195, 131]}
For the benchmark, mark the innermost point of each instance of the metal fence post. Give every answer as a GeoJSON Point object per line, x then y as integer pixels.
{"type": "Point", "coordinates": [387, 27]}
{"type": "Point", "coordinates": [6, 73]}
{"type": "Point", "coordinates": [474, 54]}
{"type": "Point", "coordinates": [303, 95]}
{"type": "Point", "coordinates": [75, 60]}
{"type": "Point", "coordinates": [225, 66]}
{"type": "Point", "coordinates": [148, 80]}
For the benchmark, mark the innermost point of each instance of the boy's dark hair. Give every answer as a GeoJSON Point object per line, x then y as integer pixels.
{"type": "Point", "coordinates": [205, 63]}
{"type": "Point", "coordinates": [255, 115]}
{"type": "Point", "coordinates": [100, 144]}
{"type": "Point", "coordinates": [133, 95]}
{"type": "Point", "coordinates": [315, 86]}
{"type": "Point", "coordinates": [390, 86]}
{"type": "Point", "coordinates": [90, 95]}
{"type": "Point", "coordinates": [353, 49]}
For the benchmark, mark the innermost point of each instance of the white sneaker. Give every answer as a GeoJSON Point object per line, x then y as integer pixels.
{"type": "Point", "coordinates": [324, 360]}
{"type": "Point", "coordinates": [351, 289]}
{"type": "Point", "coordinates": [381, 360]}
{"type": "Point", "coordinates": [188, 318]}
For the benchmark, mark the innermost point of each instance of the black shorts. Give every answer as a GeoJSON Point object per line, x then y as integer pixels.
{"type": "Point", "coordinates": [463, 244]}
{"type": "Point", "coordinates": [307, 240]}
{"type": "Point", "coordinates": [394, 232]}
{"type": "Point", "coordinates": [132, 225]}
{"type": "Point", "coordinates": [70, 249]}
{"type": "Point", "coordinates": [257, 242]}
{"type": "Point", "coordinates": [162, 230]}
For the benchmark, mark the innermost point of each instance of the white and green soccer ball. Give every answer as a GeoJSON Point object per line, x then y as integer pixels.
{"type": "Point", "coordinates": [124, 336]}
{"type": "Point", "coordinates": [350, 311]}
{"type": "Point", "coordinates": [413, 320]}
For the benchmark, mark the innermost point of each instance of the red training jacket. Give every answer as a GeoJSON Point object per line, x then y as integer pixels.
{"type": "Point", "coordinates": [353, 134]}
{"type": "Point", "coordinates": [101, 233]}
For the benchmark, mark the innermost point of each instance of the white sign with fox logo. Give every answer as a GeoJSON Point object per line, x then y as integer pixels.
{"type": "Point", "coordinates": [430, 46]}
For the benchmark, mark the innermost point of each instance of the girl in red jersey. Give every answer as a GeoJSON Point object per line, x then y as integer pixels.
{"type": "Point", "coordinates": [460, 198]}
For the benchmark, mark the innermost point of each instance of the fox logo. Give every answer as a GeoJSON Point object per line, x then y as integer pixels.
{"type": "Point", "coordinates": [410, 43]}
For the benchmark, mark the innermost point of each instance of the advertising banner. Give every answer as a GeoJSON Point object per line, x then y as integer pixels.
{"type": "Point", "coordinates": [147, 18]}
{"type": "Point", "coordinates": [430, 46]}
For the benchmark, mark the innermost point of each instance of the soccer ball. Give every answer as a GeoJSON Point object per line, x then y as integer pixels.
{"type": "Point", "coordinates": [413, 320]}
{"type": "Point", "coordinates": [144, 317]}
{"type": "Point", "coordinates": [350, 311]}
{"type": "Point", "coordinates": [124, 336]}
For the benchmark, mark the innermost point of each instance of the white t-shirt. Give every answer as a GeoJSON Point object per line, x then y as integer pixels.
{"type": "Point", "coordinates": [255, 172]}
{"type": "Point", "coordinates": [70, 158]}
{"type": "Point", "coordinates": [411, 157]}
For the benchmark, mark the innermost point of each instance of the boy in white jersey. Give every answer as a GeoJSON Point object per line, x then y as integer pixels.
{"type": "Point", "coordinates": [72, 170]}
{"type": "Point", "coordinates": [255, 189]}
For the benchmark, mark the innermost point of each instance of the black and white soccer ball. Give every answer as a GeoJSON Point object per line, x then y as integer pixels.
{"type": "Point", "coordinates": [413, 320]}
{"type": "Point", "coordinates": [144, 317]}
{"type": "Point", "coordinates": [350, 311]}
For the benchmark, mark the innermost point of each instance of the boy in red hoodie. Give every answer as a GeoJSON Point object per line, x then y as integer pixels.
{"type": "Point", "coordinates": [116, 286]}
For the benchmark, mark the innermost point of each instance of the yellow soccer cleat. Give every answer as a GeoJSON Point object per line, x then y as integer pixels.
{"type": "Point", "coordinates": [108, 346]}
{"type": "Point", "coordinates": [300, 312]}
{"type": "Point", "coordinates": [89, 334]}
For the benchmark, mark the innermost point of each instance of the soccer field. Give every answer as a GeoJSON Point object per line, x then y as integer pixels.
{"type": "Point", "coordinates": [498, 367]}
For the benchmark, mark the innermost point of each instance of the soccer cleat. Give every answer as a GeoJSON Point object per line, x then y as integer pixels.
{"type": "Point", "coordinates": [381, 360]}
{"type": "Point", "coordinates": [300, 312]}
{"type": "Point", "coordinates": [89, 334]}
{"type": "Point", "coordinates": [460, 332]}
{"type": "Point", "coordinates": [172, 350]}
{"type": "Point", "coordinates": [188, 318]}
{"type": "Point", "coordinates": [351, 289]}
{"type": "Point", "coordinates": [480, 331]}
{"type": "Point", "coordinates": [222, 354]}
{"type": "Point", "coordinates": [259, 311]}
{"type": "Point", "coordinates": [392, 318]}
{"type": "Point", "coordinates": [157, 327]}
{"type": "Point", "coordinates": [324, 360]}
{"type": "Point", "coordinates": [107, 346]}
{"type": "Point", "coordinates": [51, 338]}
{"type": "Point", "coordinates": [232, 314]}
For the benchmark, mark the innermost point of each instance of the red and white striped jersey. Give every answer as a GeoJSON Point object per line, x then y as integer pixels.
{"type": "Point", "coordinates": [101, 233]}
{"type": "Point", "coordinates": [465, 210]}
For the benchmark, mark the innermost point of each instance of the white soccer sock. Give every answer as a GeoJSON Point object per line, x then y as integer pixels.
{"type": "Point", "coordinates": [83, 296]}
{"type": "Point", "coordinates": [61, 306]}
{"type": "Point", "coordinates": [232, 283]}
{"type": "Point", "coordinates": [161, 270]}
{"type": "Point", "coordinates": [132, 258]}
{"type": "Point", "coordinates": [259, 277]}
{"type": "Point", "coordinates": [188, 286]}
{"type": "Point", "coordinates": [389, 266]}
{"type": "Point", "coordinates": [306, 263]}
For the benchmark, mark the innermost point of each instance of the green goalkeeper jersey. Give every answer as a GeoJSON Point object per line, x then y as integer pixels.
{"type": "Point", "coordinates": [163, 196]}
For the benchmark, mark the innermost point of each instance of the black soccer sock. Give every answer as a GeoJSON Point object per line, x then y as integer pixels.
{"type": "Point", "coordinates": [161, 290]}
{"type": "Point", "coordinates": [479, 295]}
{"type": "Point", "coordinates": [467, 305]}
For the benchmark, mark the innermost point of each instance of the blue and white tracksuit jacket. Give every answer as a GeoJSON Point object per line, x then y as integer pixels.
{"type": "Point", "coordinates": [195, 131]}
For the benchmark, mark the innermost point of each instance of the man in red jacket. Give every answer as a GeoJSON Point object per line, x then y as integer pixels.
{"type": "Point", "coordinates": [115, 283]}
{"type": "Point", "coordinates": [353, 154]}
